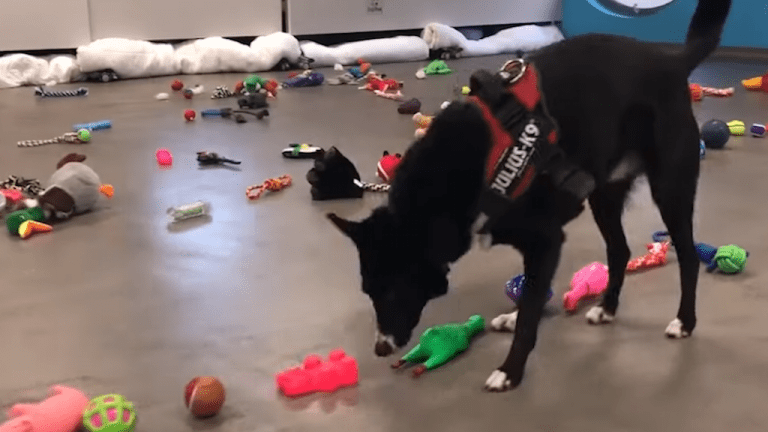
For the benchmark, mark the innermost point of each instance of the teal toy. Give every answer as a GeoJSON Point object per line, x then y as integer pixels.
{"type": "Point", "coordinates": [14, 220]}
{"type": "Point", "coordinates": [109, 413]}
{"type": "Point", "coordinates": [440, 344]}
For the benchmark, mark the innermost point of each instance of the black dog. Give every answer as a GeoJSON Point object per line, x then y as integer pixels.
{"type": "Point", "coordinates": [622, 108]}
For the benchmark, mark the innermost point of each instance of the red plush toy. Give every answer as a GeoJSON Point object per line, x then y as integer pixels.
{"type": "Point", "coordinates": [387, 166]}
{"type": "Point", "coordinates": [376, 82]}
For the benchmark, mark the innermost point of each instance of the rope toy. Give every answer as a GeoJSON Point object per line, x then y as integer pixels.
{"type": "Point", "coordinates": [375, 187]}
{"type": "Point", "coordinates": [80, 137]}
{"type": "Point", "coordinates": [31, 187]}
{"type": "Point", "coordinates": [223, 92]}
{"type": "Point", "coordinates": [698, 92]}
{"type": "Point", "coordinates": [273, 184]}
{"type": "Point", "coordinates": [656, 257]}
{"type": "Point", "coordinates": [728, 259]}
{"type": "Point", "coordinates": [42, 92]}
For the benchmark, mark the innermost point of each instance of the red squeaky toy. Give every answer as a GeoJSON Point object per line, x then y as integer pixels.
{"type": "Point", "coordinates": [387, 165]}
{"type": "Point", "coordinates": [189, 115]}
{"type": "Point", "coordinates": [314, 375]}
{"type": "Point", "coordinates": [177, 85]}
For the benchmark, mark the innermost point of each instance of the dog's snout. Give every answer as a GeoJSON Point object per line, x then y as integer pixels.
{"type": "Point", "coordinates": [383, 349]}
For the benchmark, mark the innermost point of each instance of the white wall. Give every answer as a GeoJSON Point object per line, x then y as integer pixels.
{"type": "Point", "coordinates": [346, 16]}
{"type": "Point", "coordinates": [43, 24]}
{"type": "Point", "coordinates": [183, 19]}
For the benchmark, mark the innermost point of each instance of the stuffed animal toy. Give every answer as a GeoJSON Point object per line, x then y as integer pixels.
{"type": "Point", "coordinates": [387, 165]}
{"type": "Point", "coordinates": [376, 82]}
{"type": "Point", "coordinates": [335, 177]}
{"type": "Point", "coordinates": [422, 124]}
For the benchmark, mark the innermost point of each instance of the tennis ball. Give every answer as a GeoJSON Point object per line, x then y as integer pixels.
{"type": "Point", "coordinates": [84, 135]}
{"type": "Point", "coordinates": [204, 396]}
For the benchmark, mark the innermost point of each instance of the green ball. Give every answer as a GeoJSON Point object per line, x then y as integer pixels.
{"type": "Point", "coordinates": [84, 135]}
{"type": "Point", "coordinates": [109, 413]}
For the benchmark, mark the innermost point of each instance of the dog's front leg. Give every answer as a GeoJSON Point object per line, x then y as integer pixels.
{"type": "Point", "coordinates": [541, 258]}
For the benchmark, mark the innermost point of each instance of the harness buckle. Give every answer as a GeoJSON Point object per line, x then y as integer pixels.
{"type": "Point", "coordinates": [513, 70]}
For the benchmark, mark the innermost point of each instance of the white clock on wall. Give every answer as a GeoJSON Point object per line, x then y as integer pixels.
{"type": "Point", "coordinates": [630, 8]}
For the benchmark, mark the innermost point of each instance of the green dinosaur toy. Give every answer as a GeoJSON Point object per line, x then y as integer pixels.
{"type": "Point", "coordinates": [439, 344]}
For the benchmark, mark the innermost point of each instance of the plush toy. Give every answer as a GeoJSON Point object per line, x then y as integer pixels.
{"type": "Point", "coordinates": [387, 165]}
{"type": "Point", "coordinates": [590, 281]}
{"type": "Point", "coordinates": [437, 67]}
{"type": "Point", "coordinates": [74, 188]}
{"type": "Point", "coordinates": [376, 82]}
{"type": "Point", "coordinates": [757, 83]}
{"type": "Point", "coordinates": [333, 176]}
{"type": "Point", "coordinates": [62, 411]}
{"type": "Point", "coordinates": [422, 124]}
{"type": "Point", "coordinates": [656, 257]}
{"type": "Point", "coordinates": [439, 344]}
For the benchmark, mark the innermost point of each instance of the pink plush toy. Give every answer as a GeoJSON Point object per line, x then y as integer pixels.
{"type": "Point", "coordinates": [590, 281]}
{"type": "Point", "coordinates": [61, 412]}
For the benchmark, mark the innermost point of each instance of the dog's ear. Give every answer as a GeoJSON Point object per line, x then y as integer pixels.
{"type": "Point", "coordinates": [350, 228]}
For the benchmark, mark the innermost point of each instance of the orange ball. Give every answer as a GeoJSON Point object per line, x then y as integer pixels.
{"type": "Point", "coordinates": [204, 396]}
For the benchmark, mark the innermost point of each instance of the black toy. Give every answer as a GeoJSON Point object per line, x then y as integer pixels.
{"type": "Point", "coordinates": [253, 101]}
{"type": "Point", "coordinates": [205, 158]}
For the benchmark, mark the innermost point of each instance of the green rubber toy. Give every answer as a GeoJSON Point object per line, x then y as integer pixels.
{"type": "Point", "coordinates": [253, 81]}
{"type": "Point", "coordinates": [437, 67]}
{"type": "Point", "coordinates": [439, 344]}
{"type": "Point", "coordinates": [14, 220]}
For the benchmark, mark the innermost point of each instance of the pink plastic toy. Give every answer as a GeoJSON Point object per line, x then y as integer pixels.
{"type": "Point", "coordinates": [590, 281]}
{"type": "Point", "coordinates": [316, 376]}
{"type": "Point", "coordinates": [164, 157]}
{"type": "Point", "coordinates": [61, 412]}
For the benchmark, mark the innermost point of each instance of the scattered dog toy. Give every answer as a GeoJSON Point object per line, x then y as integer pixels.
{"type": "Point", "coordinates": [757, 130]}
{"type": "Point", "coordinates": [387, 166]}
{"type": "Point", "coordinates": [757, 83]}
{"type": "Point", "coordinates": [188, 93]}
{"type": "Point", "coordinates": [465, 90]}
{"type": "Point", "coordinates": [80, 137]}
{"type": "Point", "coordinates": [698, 92]}
{"type": "Point", "coordinates": [411, 106]}
{"type": "Point", "coordinates": [253, 101]}
{"type": "Point", "coordinates": [177, 85]}
{"type": "Point", "coordinates": [702, 149]}
{"type": "Point", "coordinates": [109, 413]}
{"type": "Point", "coordinates": [737, 127]}
{"type": "Point", "coordinates": [515, 286]}
{"type": "Point", "coordinates": [204, 396]}
{"type": "Point", "coordinates": [12, 184]}
{"type": "Point", "coordinates": [98, 125]}
{"type": "Point", "coordinates": [730, 259]}
{"type": "Point", "coordinates": [189, 211]}
{"type": "Point", "coordinates": [206, 158]}
{"type": "Point", "coordinates": [254, 192]}
{"type": "Point", "coordinates": [316, 376]}
{"type": "Point", "coordinates": [656, 257]}
{"type": "Point", "coordinates": [394, 96]}
{"type": "Point", "coordinates": [27, 228]}
{"type": "Point", "coordinates": [590, 281]}
{"type": "Point", "coordinates": [228, 113]}
{"type": "Point", "coordinates": [190, 115]}
{"type": "Point", "coordinates": [13, 221]}
{"type": "Point", "coordinates": [43, 93]}
{"type": "Point", "coordinates": [305, 79]}
{"type": "Point", "coordinates": [440, 344]}
{"type": "Point", "coordinates": [422, 124]}
{"type": "Point", "coordinates": [164, 157]}
{"type": "Point", "coordinates": [437, 67]}
{"type": "Point", "coordinates": [62, 411]}
{"type": "Point", "coordinates": [376, 82]}
{"type": "Point", "coordinates": [222, 92]}
{"type": "Point", "coordinates": [254, 83]}
{"type": "Point", "coordinates": [162, 96]}
{"type": "Point", "coordinates": [715, 134]}
{"type": "Point", "coordinates": [301, 151]}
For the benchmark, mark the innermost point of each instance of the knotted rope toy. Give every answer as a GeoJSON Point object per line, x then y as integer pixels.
{"type": "Point", "coordinates": [223, 92]}
{"type": "Point", "coordinates": [698, 92]}
{"type": "Point", "coordinates": [656, 257]}
{"type": "Point", "coordinates": [273, 184]}
{"type": "Point", "coordinates": [42, 92]}
{"type": "Point", "coordinates": [30, 187]}
{"type": "Point", "coordinates": [80, 137]}
{"type": "Point", "coordinates": [729, 259]}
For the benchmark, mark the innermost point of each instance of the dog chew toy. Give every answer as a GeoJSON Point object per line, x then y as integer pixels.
{"type": "Point", "coordinates": [109, 413]}
{"type": "Point", "coordinates": [360, 71]}
{"type": "Point", "coordinates": [656, 257]}
{"type": "Point", "coordinates": [715, 134]}
{"type": "Point", "coordinates": [301, 151]}
{"type": "Point", "coordinates": [376, 82]}
{"type": "Point", "coordinates": [437, 67]}
{"type": "Point", "coordinates": [411, 106]}
{"type": "Point", "coordinates": [80, 137]}
{"type": "Point", "coordinates": [737, 127]}
{"type": "Point", "coordinates": [422, 124]}
{"type": "Point", "coordinates": [205, 158]}
{"type": "Point", "coordinates": [254, 192]}
{"type": "Point", "coordinates": [305, 79]}
{"type": "Point", "coordinates": [43, 93]}
{"type": "Point", "coordinates": [27, 228]}
{"type": "Point", "coordinates": [97, 125]}
{"type": "Point", "coordinates": [188, 93]}
{"type": "Point", "coordinates": [164, 157]}
{"type": "Point", "coordinates": [728, 259]}
{"type": "Point", "coordinates": [62, 411]}
{"type": "Point", "coordinates": [757, 130]}
{"type": "Point", "coordinates": [698, 92]}
{"type": "Point", "coordinates": [13, 221]}
{"type": "Point", "coordinates": [439, 344]}
{"type": "Point", "coordinates": [314, 375]}
{"type": "Point", "coordinates": [387, 165]}
{"type": "Point", "coordinates": [189, 115]}
{"type": "Point", "coordinates": [590, 281]}
{"type": "Point", "coordinates": [756, 83]}
{"type": "Point", "coordinates": [702, 149]}
{"type": "Point", "coordinates": [253, 101]}
{"type": "Point", "coordinates": [177, 85]}
{"type": "Point", "coordinates": [515, 286]}
{"type": "Point", "coordinates": [398, 96]}
{"type": "Point", "coordinates": [189, 211]}
{"type": "Point", "coordinates": [204, 396]}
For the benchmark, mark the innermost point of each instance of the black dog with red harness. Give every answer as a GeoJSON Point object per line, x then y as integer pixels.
{"type": "Point", "coordinates": [579, 119]}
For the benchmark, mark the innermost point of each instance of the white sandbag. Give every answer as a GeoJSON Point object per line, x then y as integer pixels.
{"type": "Point", "coordinates": [63, 68]}
{"type": "Point", "coordinates": [215, 54]}
{"type": "Point", "coordinates": [129, 58]}
{"type": "Point", "coordinates": [277, 46]}
{"type": "Point", "coordinates": [22, 69]}
{"type": "Point", "coordinates": [522, 38]}
{"type": "Point", "coordinates": [389, 50]}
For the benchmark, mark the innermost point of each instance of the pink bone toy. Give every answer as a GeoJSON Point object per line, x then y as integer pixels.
{"type": "Point", "coordinates": [61, 412]}
{"type": "Point", "coordinates": [590, 281]}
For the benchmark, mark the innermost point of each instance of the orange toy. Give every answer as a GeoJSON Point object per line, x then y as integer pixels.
{"type": "Point", "coordinates": [204, 396]}
{"type": "Point", "coordinates": [107, 190]}
{"type": "Point", "coordinates": [274, 184]}
{"type": "Point", "coordinates": [756, 83]}
{"type": "Point", "coordinates": [29, 227]}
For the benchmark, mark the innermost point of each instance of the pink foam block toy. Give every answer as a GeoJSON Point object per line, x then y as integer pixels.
{"type": "Point", "coordinates": [316, 376]}
{"type": "Point", "coordinates": [590, 281]}
{"type": "Point", "coordinates": [61, 412]}
{"type": "Point", "coordinates": [164, 157]}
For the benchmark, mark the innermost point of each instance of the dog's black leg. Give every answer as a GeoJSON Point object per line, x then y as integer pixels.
{"type": "Point", "coordinates": [607, 205]}
{"type": "Point", "coordinates": [541, 255]}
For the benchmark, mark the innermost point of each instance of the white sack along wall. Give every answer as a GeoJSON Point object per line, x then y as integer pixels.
{"type": "Point", "coordinates": [139, 59]}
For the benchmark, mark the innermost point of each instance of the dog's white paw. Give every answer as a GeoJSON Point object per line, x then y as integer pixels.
{"type": "Point", "coordinates": [598, 315]}
{"type": "Point", "coordinates": [675, 330]}
{"type": "Point", "coordinates": [505, 322]}
{"type": "Point", "coordinates": [498, 381]}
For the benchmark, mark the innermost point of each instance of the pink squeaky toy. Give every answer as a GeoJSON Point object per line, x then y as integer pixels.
{"type": "Point", "coordinates": [590, 281]}
{"type": "Point", "coordinates": [314, 375]}
{"type": "Point", "coordinates": [164, 157]}
{"type": "Point", "coordinates": [61, 412]}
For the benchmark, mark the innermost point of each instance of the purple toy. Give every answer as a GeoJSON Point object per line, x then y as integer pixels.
{"type": "Point", "coordinates": [514, 288]}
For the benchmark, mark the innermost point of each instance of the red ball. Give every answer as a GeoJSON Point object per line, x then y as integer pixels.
{"type": "Point", "coordinates": [188, 93]}
{"type": "Point", "coordinates": [239, 87]}
{"type": "Point", "coordinates": [204, 396]}
{"type": "Point", "coordinates": [177, 85]}
{"type": "Point", "coordinates": [190, 115]}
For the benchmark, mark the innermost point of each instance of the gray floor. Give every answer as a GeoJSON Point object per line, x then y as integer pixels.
{"type": "Point", "coordinates": [114, 302]}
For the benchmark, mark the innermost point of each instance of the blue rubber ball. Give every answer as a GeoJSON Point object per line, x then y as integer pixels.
{"type": "Point", "coordinates": [514, 288]}
{"type": "Point", "coordinates": [715, 134]}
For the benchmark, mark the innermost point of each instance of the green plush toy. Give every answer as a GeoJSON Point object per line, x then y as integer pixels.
{"type": "Point", "coordinates": [14, 220]}
{"type": "Point", "coordinates": [437, 67]}
{"type": "Point", "coordinates": [439, 344]}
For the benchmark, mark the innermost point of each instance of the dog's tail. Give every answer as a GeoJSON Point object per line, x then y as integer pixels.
{"type": "Point", "coordinates": [705, 30]}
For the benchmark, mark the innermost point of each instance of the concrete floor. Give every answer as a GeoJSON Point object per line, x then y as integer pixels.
{"type": "Point", "coordinates": [113, 301]}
